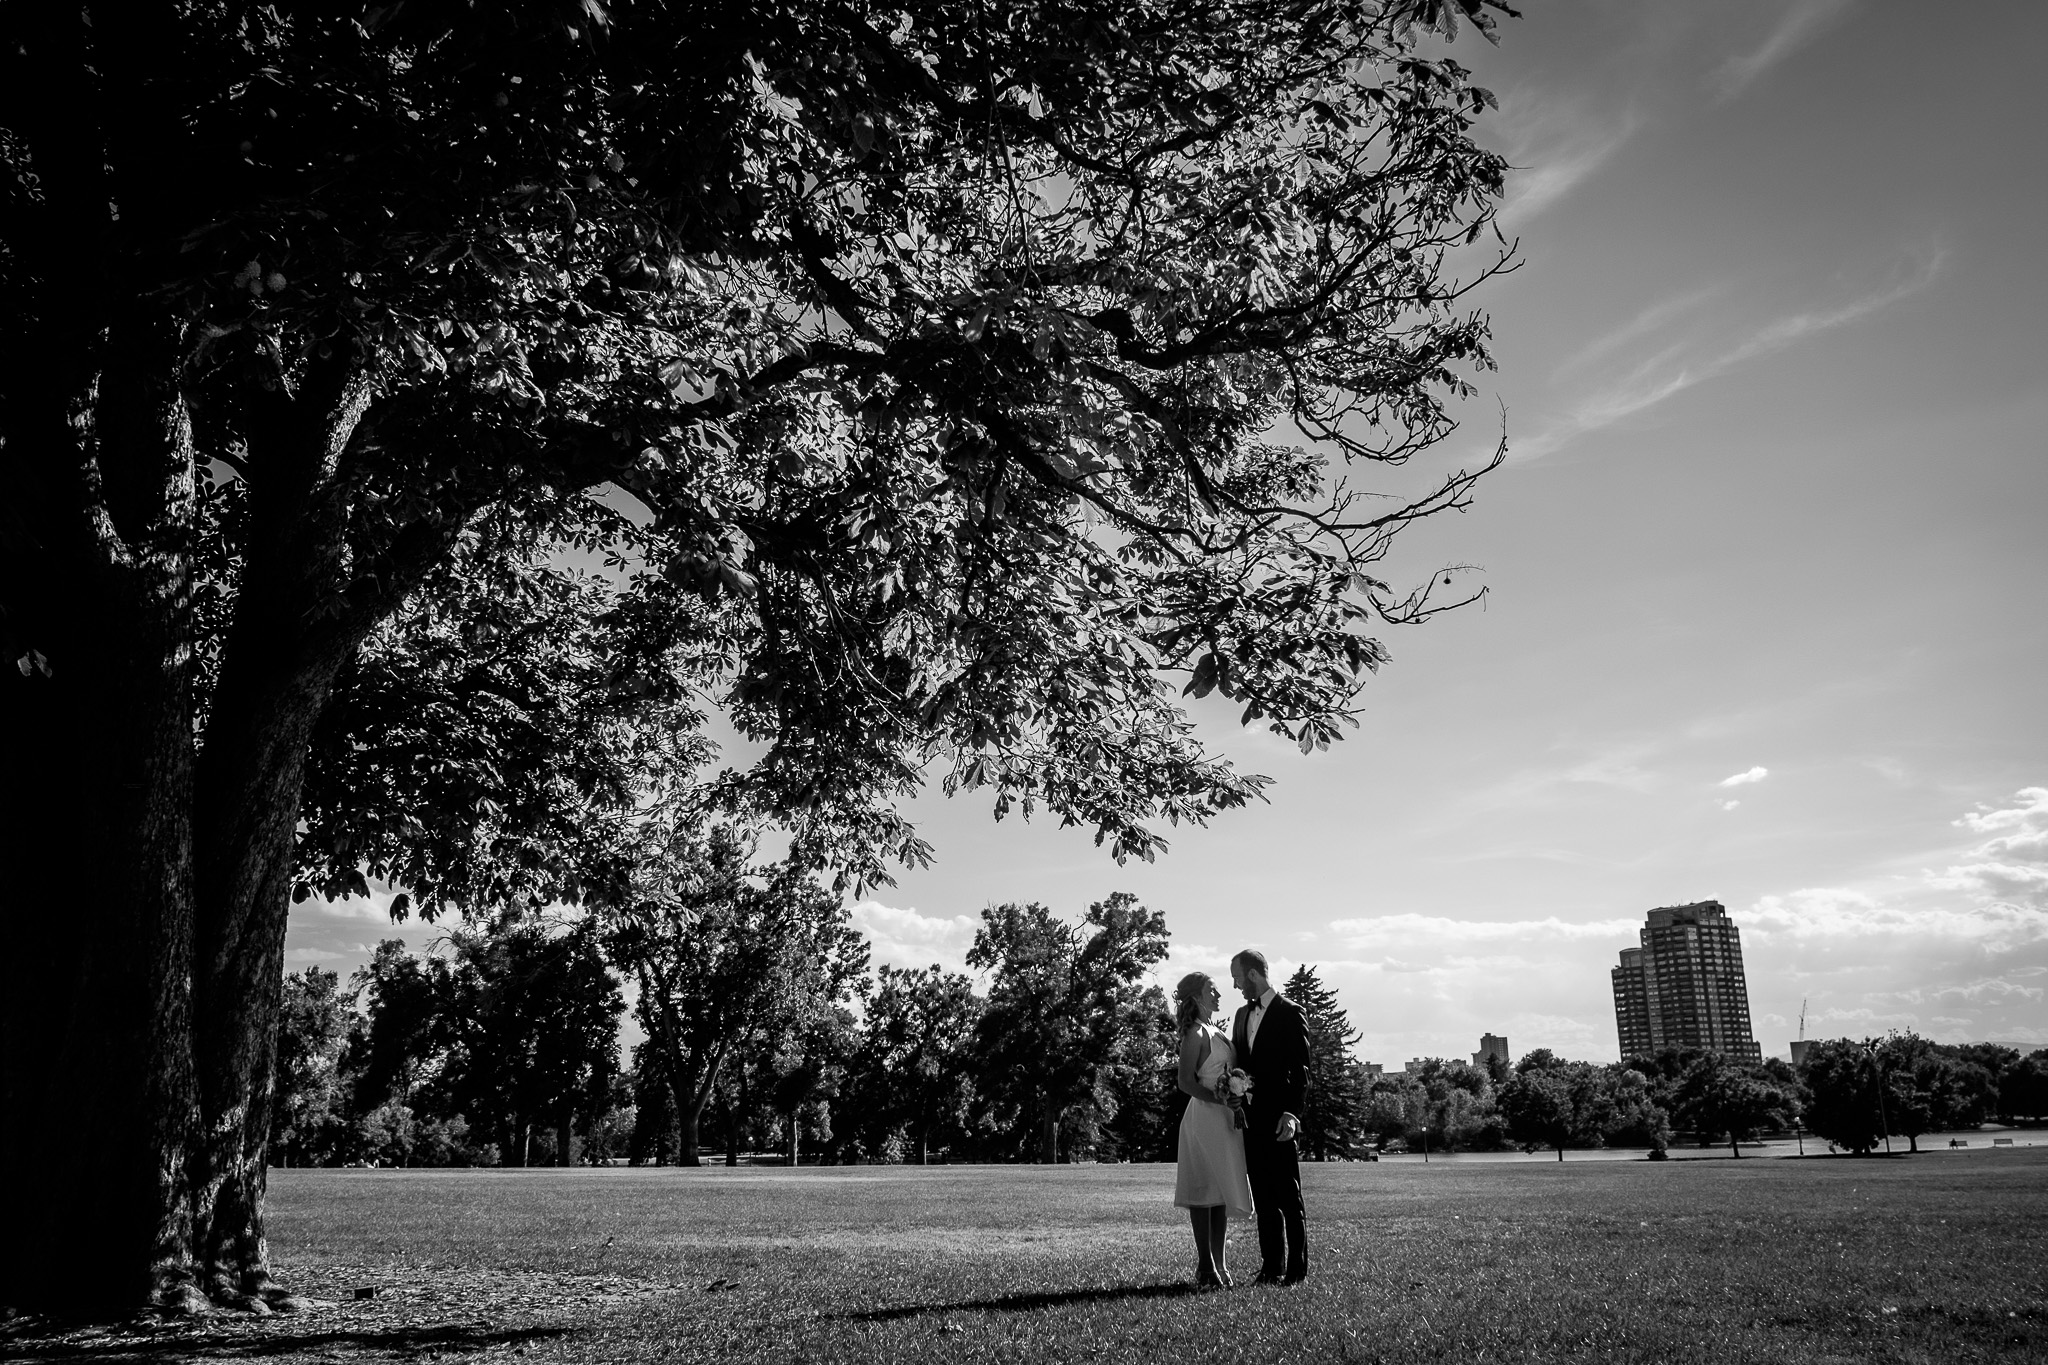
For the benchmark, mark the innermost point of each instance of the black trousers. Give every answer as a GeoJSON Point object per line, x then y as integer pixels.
{"type": "Point", "coordinates": [1275, 1171]}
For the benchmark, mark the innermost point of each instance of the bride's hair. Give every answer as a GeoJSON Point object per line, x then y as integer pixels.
{"type": "Point", "coordinates": [1187, 1000]}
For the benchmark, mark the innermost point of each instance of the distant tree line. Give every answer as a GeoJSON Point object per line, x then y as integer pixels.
{"type": "Point", "coordinates": [765, 1030]}
{"type": "Point", "coordinates": [1846, 1093]}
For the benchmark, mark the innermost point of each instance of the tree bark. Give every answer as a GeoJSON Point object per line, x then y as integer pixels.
{"type": "Point", "coordinates": [251, 778]}
{"type": "Point", "coordinates": [96, 843]}
{"type": "Point", "coordinates": [147, 874]}
{"type": "Point", "coordinates": [690, 1097]}
{"type": "Point", "coordinates": [686, 1136]}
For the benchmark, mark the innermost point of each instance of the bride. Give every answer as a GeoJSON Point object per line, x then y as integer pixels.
{"type": "Point", "coordinates": [1210, 1180]}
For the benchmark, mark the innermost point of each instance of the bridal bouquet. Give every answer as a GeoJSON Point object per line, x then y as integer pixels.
{"type": "Point", "coordinates": [1231, 1089]}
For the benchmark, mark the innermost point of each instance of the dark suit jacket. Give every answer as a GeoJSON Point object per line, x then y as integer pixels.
{"type": "Point", "coordinates": [1278, 1064]}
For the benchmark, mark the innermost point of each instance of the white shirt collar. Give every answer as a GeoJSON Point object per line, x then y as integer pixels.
{"type": "Point", "coordinates": [1266, 999]}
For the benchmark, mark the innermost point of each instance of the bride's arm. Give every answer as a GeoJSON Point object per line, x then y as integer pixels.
{"type": "Point", "coordinates": [1194, 1050]}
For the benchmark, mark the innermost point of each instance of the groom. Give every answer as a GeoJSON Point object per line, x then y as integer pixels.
{"type": "Point", "coordinates": [1271, 1043]}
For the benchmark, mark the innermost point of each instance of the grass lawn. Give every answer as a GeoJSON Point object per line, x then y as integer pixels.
{"type": "Point", "coordinates": [1937, 1258]}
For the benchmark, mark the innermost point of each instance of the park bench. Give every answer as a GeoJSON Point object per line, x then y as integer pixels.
{"type": "Point", "coordinates": [2001, 1142]}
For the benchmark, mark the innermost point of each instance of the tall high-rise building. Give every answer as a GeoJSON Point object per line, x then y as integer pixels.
{"type": "Point", "coordinates": [1491, 1045]}
{"type": "Point", "coordinates": [1684, 986]}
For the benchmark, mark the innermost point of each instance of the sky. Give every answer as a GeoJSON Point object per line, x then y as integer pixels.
{"type": "Point", "coordinates": [1765, 572]}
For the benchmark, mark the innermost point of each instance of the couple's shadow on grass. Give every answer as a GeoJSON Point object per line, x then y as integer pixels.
{"type": "Point", "coordinates": [453, 1339]}
{"type": "Point", "coordinates": [1023, 1303]}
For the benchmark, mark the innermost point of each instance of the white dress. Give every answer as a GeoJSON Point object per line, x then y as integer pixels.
{"type": "Point", "coordinates": [1211, 1169]}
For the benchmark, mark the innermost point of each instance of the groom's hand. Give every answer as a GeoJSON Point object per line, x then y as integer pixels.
{"type": "Point", "coordinates": [1285, 1130]}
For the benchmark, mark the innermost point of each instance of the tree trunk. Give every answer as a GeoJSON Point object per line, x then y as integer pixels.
{"type": "Point", "coordinates": [1735, 1146]}
{"type": "Point", "coordinates": [686, 1137]}
{"type": "Point", "coordinates": [690, 1099]}
{"type": "Point", "coordinates": [123, 1012]}
{"type": "Point", "coordinates": [95, 831]}
{"type": "Point", "coordinates": [249, 783]}
{"type": "Point", "coordinates": [1049, 1152]}
{"type": "Point", "coordinates": [95, 1030]}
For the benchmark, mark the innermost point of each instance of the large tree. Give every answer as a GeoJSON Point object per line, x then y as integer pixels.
{"type": "Point", "coordinates": [947, 367]}
{"type": "Point", "coordinates": [1717, 1097]}
{"type": "Point", "coordinates": [2023, 1087]}
{"type": "Point", "coordinates": [1552, 1102]}
{"type": "Point", "coordinates": [912, 1071]}
{"type": "Point", "coordinates": [1066, 1008]}
{"type": "Point", "coordinates": [309, 1100]}
{"type": "Point", "coordinates": [1931, 1087]}
{"type": "Point", "coordinates": [1846, 1103]}
{"type": "Point", "coordinates": [732, 956]}
{"type": "Point", "coordinates": [538, 1026]}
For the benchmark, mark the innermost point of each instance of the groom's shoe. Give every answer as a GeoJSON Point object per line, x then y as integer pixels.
{"type": "Point", "coordinates": [1269, 1277]}
{"type": "Point", "coordinates": [1295, 1276]}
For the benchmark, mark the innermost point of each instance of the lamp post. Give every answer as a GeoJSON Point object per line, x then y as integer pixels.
{"type": "Point", "coordinates": [1425, 1144]}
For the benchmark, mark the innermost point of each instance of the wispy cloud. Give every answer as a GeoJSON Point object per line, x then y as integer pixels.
{"type": "Point", "coordinates": [1678, 367]}
{"type": "Point", "coordinates": [1555, 145]}
{"type": "Point", "coordinates": [1798, 24]}
{"type": "Point", "coordinates": [1652, 319]}
{"type": "Point", "coordinates": [1743, 779]}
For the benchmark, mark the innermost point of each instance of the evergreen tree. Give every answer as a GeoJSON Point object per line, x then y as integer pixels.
{"type": "Point", "coordinates": [1336, 1102]}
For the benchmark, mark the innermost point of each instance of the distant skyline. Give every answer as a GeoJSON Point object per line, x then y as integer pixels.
{"type": "Point", "coordinates": [1765, 574]}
